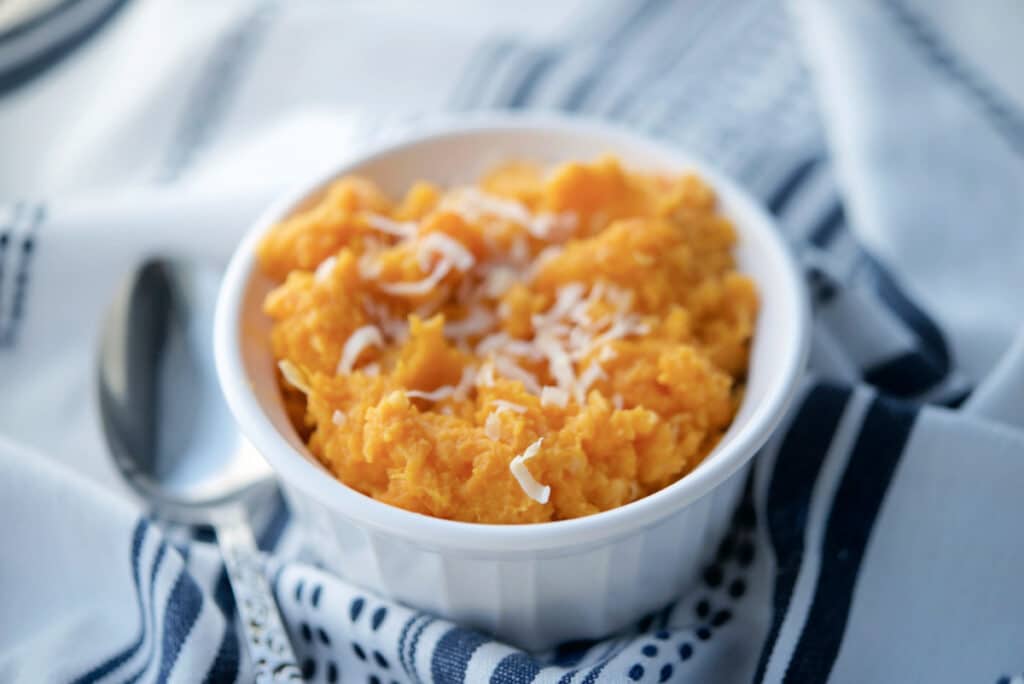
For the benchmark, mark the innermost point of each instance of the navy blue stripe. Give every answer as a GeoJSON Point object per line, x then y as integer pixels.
{"type": "Point", "coordinates": [666, 615]}
{"type": "Point", "coordinates": [932, 340]}
{"type": "Point", "coordinates": [226, 663]}
{"type": "Point", "coordinates": [153, 612]}
{"type": "Point", "coordinates": [482, 66]}
{"type": "Point", "coordinates": [25, 27]}
{"type": "Point", "coordinates": [26, 250]}
{"type": "Point", "coordinates": [24, 71]}
{"type": "Point", "coordinates": [613, 652]}
{"type": "Point", "coordinates": [956, 400]}
{"type": "Point", "coordinates": [567, 677]}
{"type": "Point", "coordinates": [271, 535]}
{"type": "Point", "coordinates": [788, 500]}
{"type": "Point", "coordinates": [515, 668]}
{"type": "Point", "coordinates": [453, 652]}
{"type": "Point", "coordinates": [401, 641]}
{"type": "Point", "coordinates": [583, 88]}
{"type": "Point", "coordinates": [183, 607]}
{"type": "Point", "coordinates": [532, 77]}
{"type": "Point", "coordinates": [213, 91]}
{"type": "Point", "coordinates": [624, 28]}
{"type": "Point", "coordinates": [571, 653]}
{"type": "Point", "coordinates": [906, 375]}
{"type": "Point", "coordinates": [796, 178]}
{"type": "Point", "coordinates": [829, 225]}
{"type": "Point", "coordinates": [414, 643]}
{"type": "Point", "coordinates": [993, 105]}
{"type": "Point", "coordinates": [660, 67]}
{"type": "Point", "coordinates": [855, 507]}
{"type": "Point", "coordinates": [6, 237]}
{"type": "Point", "coordinates": [105, 668]}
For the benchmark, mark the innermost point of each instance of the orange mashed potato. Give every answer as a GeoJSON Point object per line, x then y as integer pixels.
{"type": "Point", "coordinates": [540, 346]}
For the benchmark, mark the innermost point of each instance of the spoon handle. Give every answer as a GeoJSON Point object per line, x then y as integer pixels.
{"type": "Point", "coordinates": [269, 648]}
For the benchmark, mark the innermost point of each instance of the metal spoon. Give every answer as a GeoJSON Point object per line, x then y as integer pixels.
{"type": "Point", "coordinates": [174, 440]}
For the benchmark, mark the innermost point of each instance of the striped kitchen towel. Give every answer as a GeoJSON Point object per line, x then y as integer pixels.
{"type": "Point", "coordinates": [877, 537]}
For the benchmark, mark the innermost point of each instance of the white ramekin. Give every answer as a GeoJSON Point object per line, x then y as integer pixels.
{"type": "Point", "coordinates": [532, 585]}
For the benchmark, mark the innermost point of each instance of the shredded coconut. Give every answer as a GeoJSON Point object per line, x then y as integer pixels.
{"type": "Point", "coordinates": [293, 375]}
{"type": "Point", "coordinates": [338, 418]}
{"type": "Point", "coordinates": [620, 328]}
{"type": "Point", "coordinates": [443, 392]}
{"type": "Point", "coordinates": [485, 376]}
{"type": "Point", "coordinates": [371, 369]}
{"type": "Point", "coordinates": [478, 320]}
{"type": "Point", "coordinates": [419, 287]}
{"type": "Point", "coordinates": [503, 405]}
{"type": "Point", "coordinates": [532, 488]}
{"type": "Point", "coordinates": [446, 391]}
{"type": "Point", "coordinates": [466, 382]}
{"type": "Point", "coordinates": [501, 342]}
{"type": "Point", "coordinates": [592, 374]}
{"type": "Point", "coordinates": [449, 249]}
{"type": "Point", "coordinates": [369, 267]}
{"type": "Point", "coordinates": [402, 229]}
{"type": "Point", "coordinates": [554, 396]}
{"type": "Point", "coordinates": [513, 371]}
{"type": "Point", "coordinates": [323, 271]}
{"type": "Point", "coordinates": [617, 401]}
{"type": "Point", "coordinates": [492, 427]}
{"type": "Point", "coordinates": [498, 281]}
{"type": "Point", "coordinates": [366, 336]}
{"type": "Point", "coordinates": [559, 363]}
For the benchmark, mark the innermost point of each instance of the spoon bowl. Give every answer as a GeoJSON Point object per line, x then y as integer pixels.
{"type": "Point", "coordinates": [165, 420]}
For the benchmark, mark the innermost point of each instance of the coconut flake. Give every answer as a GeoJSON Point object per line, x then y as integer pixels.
{"type": "Point", "coordinates": [371, 369]}
{"type": "Point", "coordinates": [369, 267]}
{"type": "Point", "coordinates": [530, 486]}
{"type": "Point", "coordinates": [466, 382]}
{"type": "Point", "coordinates": [477, 321]}
{"type": "Point", "coordinates": [607, 353]}
{"type": "Point", "coordinates": [293, 375]}
{"type": "Point", "coordinates": [472, 204]}
{"type": "Point", "coordinates": [513, 371]}
{"type": "Point", "coordinates": [498, 281]}
{"type": "Point", "coordinates": [323, 271]}
{"type": "Point", "coordinates": [366, 336]}
{"type": "Point", "coordinates": [443, 392]}
{"type": "Point", "coordinates": [419, 287]}
{"type": "Point", "coordinates": [449, 249]}
{"type": "Point", "coordinates": [492, 427]}
{"type": "Point", "coordinates": [503, 405]}
{"type": "Point", "coordinates": [568, 296]}
{"type": "Point", "coordinates": [617, 401]}
{"type": "Point", "coordinates": [520, 251]}
{"type": "Point", "coordinates": [402, 229]}
{"type": "Point", "coordinates": [592, 374]}
{"type": "Point", "coordinates": [501, 342]}
{"type": "Point", "coordinates": [622, 327]}
{"type": "Point", "coordinates": [447, 391]}
{"type": "Point", "coordinates": [554, 396]}
{"type": "Point", "coordinates": [485, 376]}
{"type": "Point", "coordinates": [559, 363]}
{"type": "Point", "coordinates": [338, 418]}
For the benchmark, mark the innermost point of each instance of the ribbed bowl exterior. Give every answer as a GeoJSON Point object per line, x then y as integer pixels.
{"type": "Point", "coordinates": [530, 601]}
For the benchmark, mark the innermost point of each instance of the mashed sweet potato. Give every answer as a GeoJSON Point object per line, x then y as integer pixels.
{"type": "Point", "coordinates": [537, 347]}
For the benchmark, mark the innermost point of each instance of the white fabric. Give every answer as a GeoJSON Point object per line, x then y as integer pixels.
{"type": "Point", "coordinates": [170, 130]}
